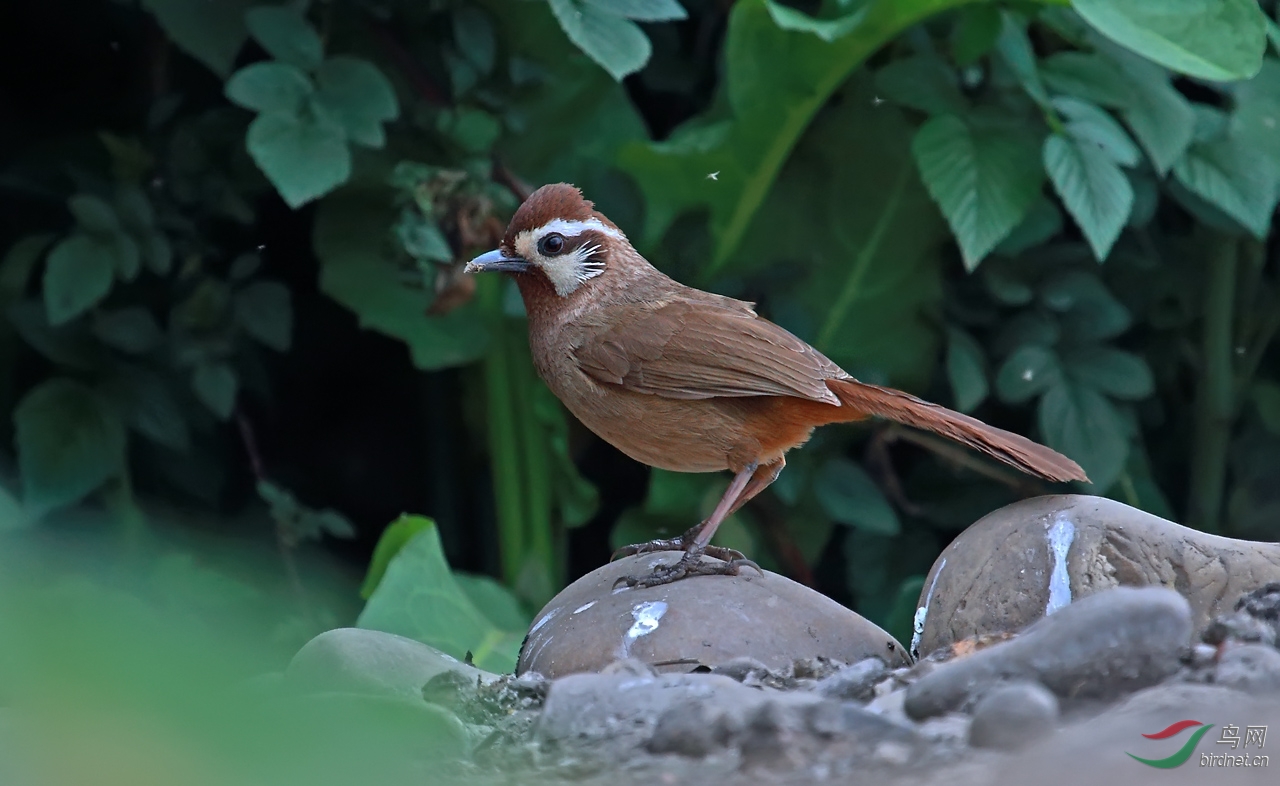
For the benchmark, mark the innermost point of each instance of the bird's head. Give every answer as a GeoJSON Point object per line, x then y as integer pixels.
{"type": "Point", "coordinates": [556, 236]}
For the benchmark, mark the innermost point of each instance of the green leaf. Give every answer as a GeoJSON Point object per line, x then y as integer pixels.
{"type": "Point", "coordinates": [1026, 373]}
{"type": "Point", "coordinates": [984, 176]}
{"type": "Point", "coordinates": [1042, 222]}
{"type": "Point", "coordinates": [499, 604]}
{"type": "Point", "coordinates": [19, 261]}
{"type": "Point", "coordinates": [643, 10]}
{"type": "Point", "coordinates": [1222, 40]}
{"type": "Point", "coordinates": [128, 257]}
{"type": "Point", "coordinates": [358, 270]}
{"type": "Point", "coordinates": [1115, 372]}
{"type": "Point", "coordinates": [359, 96]}
{"type": "Point", "coordinates": [1090, 125]}
{"type": "Point", "coordinates": [394, 538]}
{"type": "Point", "coordinates": [1161, 118]}
{"type": "Point", "coordinates": [94, 215]}
{"type": "Point", "coordinates": [975, 33]}
{"type": "Point", "coordinates": [212, 33]}
{"type": "Point", "coordinates": [851, 497]}
{"type": "Point", "coordinates": [68, 345]}
{"type": "Point", "coordinates": [1081, 423]}
{"type": "Point", "coordinates": [1226, 174]}
{"type": "Point", "coordinates": [69, 441]}
{"type": "Point", "coordinates": [270, 86]}
{"type": "Point", "coordinates": [215, 385]}
{"type": "Point", "coordinates": [133, 209]}
{"type": "Point", "coordinates": [921, 82]}
{"type": "Point", "coordinates": [966, 370]}
{"type": "Point", "coordinates": [77, 275]}
{"type": "Point", "coordinates": [157, 253]}
{"type": "Point", "coordinates": [265, 310]}
{"type": "Point", "coordinates": [1090, 311]}
{"type": "Point", "coordinates": [1097, 194]}
{"type": "Point", "coordinates": [420, 598]}
{"type": "Point", "coordinates": [748, 136]}
{"type": "Point", "coordinates": [286, 36]}
{"type": "Point", "coordinates": [1015, 47]}
{"type": "Point", "coordinates": [1089, 77]}
{"type": "Point", "coordinates": [619, 46]}
{"type": "Point", "coordinates": [131, 330]}
{"type": "Point", "coordinates": [473, 35]}
{"type": "Point", "coordinates": [303, 157]}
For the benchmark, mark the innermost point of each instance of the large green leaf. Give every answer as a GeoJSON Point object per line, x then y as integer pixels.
{"type": "Point", "coordinates": [1087, 76]}
{"type": "Point", "coordinates": [1211, 39]}
{"type": "Point", "coordinates": [1161, 118]}
{"type": "Point", "coordinates": [359, 96]}
{"type": "Point", "coordinates": [1082, 423]}
{"type": "Point", "coordinates": [77, 275]}
{"type": "Point", "coordinates": [851, 497]}
{"type": "Point", "coordinates": [1096, 193]}
{"type": "Point", "coordinates": [211, 32]}
{"type": "Point", "coordinates": [966, 370]}
{"type": "Point", "coordinates": [1028, 371]}
{"type": "Point", "coordinates": [419, 597]}
{"type": "Point", "coordinates": [304, 156]}
{"type": "Point", "coordinates": [358, 269]}
{"type": "Point", "coordinates": [286, 35]}
{"type": "Point", "coordinates": [615, 42]}
{"type": "Point", "coordinates": [748, 138]}
{"type": "Point", "coordinates": [270, 86]}
{"type": "Point", "coordinates": [1115, 372]}
{"type": "Point", "coordinates": [69, 441]}
{"type": "Point", "coordinates": [984, 175]}
{"type": "Point", "coordinates": [1231, 177]}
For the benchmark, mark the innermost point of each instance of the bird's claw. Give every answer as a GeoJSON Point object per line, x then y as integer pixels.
{"type": "Point", "coordinates": [686, 543]}
{"type": "Point", "coordinates": [692, 564]}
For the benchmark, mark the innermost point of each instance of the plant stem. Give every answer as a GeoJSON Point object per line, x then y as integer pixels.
{"type": "Point", "coordinates": [1215, 402]}
{"type": "Point", "coordinates": [504, 442]}
{"type": "Point", "coordinates": [540, 535]}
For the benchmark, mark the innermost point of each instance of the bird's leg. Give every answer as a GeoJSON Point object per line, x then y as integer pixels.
{"type": "Point", "coordinates": [696, 542]}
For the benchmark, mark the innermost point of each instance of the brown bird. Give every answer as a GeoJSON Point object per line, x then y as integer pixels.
{"type": "Point", "coordinates": [689, 381]}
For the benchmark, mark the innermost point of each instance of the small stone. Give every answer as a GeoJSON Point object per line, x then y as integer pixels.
{"type": "Point", "coordinates": [372, 662]}
{"type": "Point", "coordinates": [1253, 668]}
{"type": "Point", "coordinates": [689, 729]}
{"type": "Point", "coordinates": [741, 669]}
{"type": "Point", "coordinates": [1012, 716]}
{"type": "Point", "coordinates": [951, 727]}
{"type": "Point", "coordinates": [895, 753]}
{"type": "Point", "coordinates": [853, 683]}
{"type": "Point", "coordinates": [630, 666]}
{"type": "Point", "coordinates": [1104, 646]}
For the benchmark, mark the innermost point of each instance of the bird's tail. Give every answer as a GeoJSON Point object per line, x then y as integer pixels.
{"type": "Point", "coordinates": [1013, 449]}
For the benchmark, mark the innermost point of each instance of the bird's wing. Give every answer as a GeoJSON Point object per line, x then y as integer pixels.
{"type": "Point", "coordinates": [698, 349]}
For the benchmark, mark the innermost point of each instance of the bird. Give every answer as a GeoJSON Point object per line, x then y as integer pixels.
{"type": "Point", "coordinates": [690, 381]}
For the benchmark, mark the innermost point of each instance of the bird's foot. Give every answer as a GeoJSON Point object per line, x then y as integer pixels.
{"type": "Point", "coordinates": [691, 564]}
{"type": "Point", "coordinates": [685, 543]}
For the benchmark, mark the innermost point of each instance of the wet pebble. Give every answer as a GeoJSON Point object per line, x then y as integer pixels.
{"type": "Point", "coordinates": [1106, 645]}
{"type": "Point", "coordinates": [1011, 716]}
{"type": "Point", "coordinates": [853, 683]}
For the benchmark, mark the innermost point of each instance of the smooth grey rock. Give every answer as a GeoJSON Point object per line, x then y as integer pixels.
{"type": "Point", "coordinates": [1011, 716]}
{"type": "Point", "coordinates": [699, 621]}
{"type": "Point", "coordinates": [356, 660]}
{"type": "Point", "coordinates": [741, 669]}
{"type": "Point", "coordinates": [690, 728]}
{"type": "Point", "coordinates": [1253, 668]}
{"type": "Point", "coordinates": [1103, 646]}
{"type": "Point", "coordinates": [1015, 565]}
{"type": "Point", "coordinates": [853, 683]}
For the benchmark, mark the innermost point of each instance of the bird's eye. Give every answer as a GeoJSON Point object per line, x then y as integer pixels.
{"type": "Point", "coordinates": [551, 245]}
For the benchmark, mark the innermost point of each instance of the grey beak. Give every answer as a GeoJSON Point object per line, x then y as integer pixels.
{"type": "Point", "coordinates": [494, 262]}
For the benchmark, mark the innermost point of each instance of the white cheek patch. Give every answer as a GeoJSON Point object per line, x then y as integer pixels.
{"type": "Point", "coordinates": [567, 272]}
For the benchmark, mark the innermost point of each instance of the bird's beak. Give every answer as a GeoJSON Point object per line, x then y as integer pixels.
{"type": "Point", "coordinates": [494, 262]}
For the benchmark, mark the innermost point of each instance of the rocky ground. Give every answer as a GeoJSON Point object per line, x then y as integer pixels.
{"type": "Point", "coordinates": [1056, 645]}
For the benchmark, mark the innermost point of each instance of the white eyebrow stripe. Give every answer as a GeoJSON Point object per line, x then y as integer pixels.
{"type": "Point", "coordinates": [571, 228]}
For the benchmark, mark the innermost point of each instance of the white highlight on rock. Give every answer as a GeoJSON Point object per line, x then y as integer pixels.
{"type": "Point", "coordinates": [917, 622]}
{"type": "Point", "coordinates": [1060, 535]}
{"type": "Point", "coordinates": [646, 616]}
{"type": "Point", "coordinates": [543, 621]}
{"type": "Point", "coordinates": [584, 607]}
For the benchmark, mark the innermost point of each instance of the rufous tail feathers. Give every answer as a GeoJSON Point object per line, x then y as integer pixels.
{"type": "Point", "coordinates": [1018, 451]}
